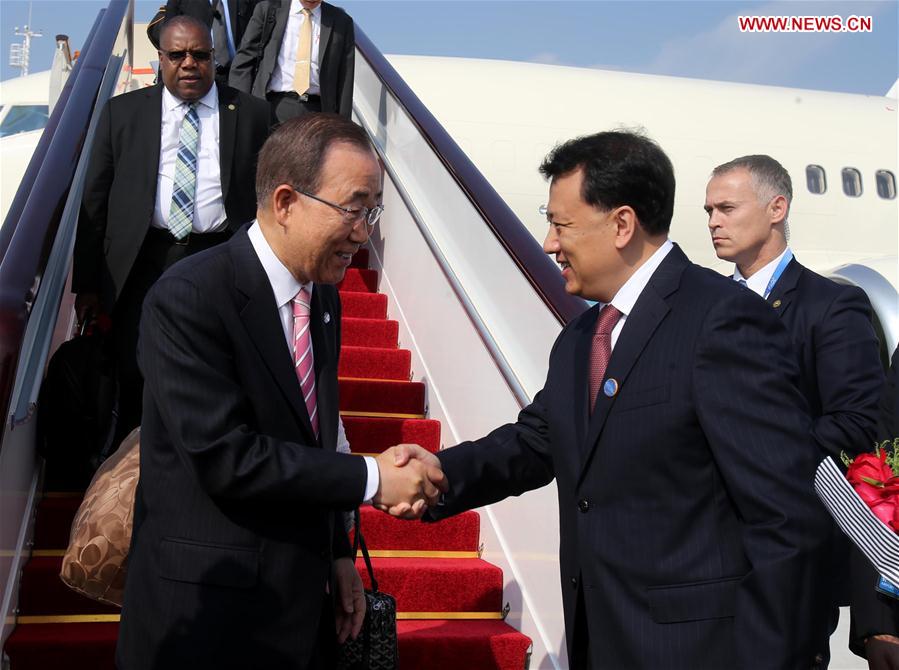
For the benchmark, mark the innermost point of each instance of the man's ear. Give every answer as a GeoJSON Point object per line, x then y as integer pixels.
{"type": "Point", "coordinates": [777, 209]}
{"type": "Point", "coordinates": [282, 200]}
{"type": "Point", "coordinates": [625, 220]}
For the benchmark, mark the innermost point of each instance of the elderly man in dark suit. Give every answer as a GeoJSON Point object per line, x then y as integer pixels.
{"type": "Point", "coordinates": [170, 173]}
{"type": "Point", "coordinates": [239, 557]}
{"type": "Point", "coordinates": [299, 55]}
{"type": "Point", "coordinates": [672, 423]}
{"type": "Point", "coordinates": [840, 373]}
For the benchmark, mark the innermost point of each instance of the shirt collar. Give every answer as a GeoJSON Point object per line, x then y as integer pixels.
{"type": "Point", "coordinates": [170, 102]}
{"type": "Point", "coordinates": [296, 8]}
{"type": "Point", "coordinates": [284, 285]}
{"type": "Point", "coordinates": [627, 295]}
{"type": "Point", "coordinates": [758, 282]}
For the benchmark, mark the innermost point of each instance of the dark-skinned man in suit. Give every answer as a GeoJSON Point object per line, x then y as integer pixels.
{"type": "Point", "coordinates": [299, 55]}
{"type": "Point", "coordinates": [840, 374]}
{"type": "Point", "coordinates": [170, 173]}
{"type": "Point", "coordinates": [239, 557]}
{"type": "Point", "coordinates": [672, 423]}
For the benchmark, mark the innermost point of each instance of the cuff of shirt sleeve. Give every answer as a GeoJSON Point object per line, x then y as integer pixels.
{"type": "Point", "coordinates": [373, 481]}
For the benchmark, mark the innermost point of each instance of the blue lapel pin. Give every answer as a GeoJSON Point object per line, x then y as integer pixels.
{"type": "Point", "coordinates": [610, 388]}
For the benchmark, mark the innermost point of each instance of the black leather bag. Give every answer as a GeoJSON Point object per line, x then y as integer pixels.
{"type": "Point", "coordinates": [375, 648]}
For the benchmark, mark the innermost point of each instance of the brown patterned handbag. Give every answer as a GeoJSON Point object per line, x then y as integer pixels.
{"type": "Point", "coordinates": [96, 559]}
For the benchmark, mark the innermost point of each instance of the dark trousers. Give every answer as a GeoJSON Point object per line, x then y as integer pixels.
{"type": "Point", "coordinates": [158, 251]}
{"type": "Point", "coordinates": [289, 105]}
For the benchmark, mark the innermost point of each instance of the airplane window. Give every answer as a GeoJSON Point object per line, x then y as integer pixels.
{"type": "Point", "coordinates": [23, 118]}
{"type": "Point", "coordinates": [852, 182]}
{"type": "Point", "coordinates": [886, 184]}
{"type": "Point", "coordinates": [815, 178]}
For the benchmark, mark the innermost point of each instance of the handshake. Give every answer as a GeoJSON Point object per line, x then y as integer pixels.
{"type": "Point", "coordinates": [411, 481]}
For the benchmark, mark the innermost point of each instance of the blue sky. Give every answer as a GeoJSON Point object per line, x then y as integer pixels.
{"type": "Point", "coordinates": [692, 39]}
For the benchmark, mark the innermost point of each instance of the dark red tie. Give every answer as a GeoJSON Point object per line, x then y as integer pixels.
{"type": "Point", "coordinates": [602, 349]}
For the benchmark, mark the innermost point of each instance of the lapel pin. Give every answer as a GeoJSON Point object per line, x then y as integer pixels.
{"type": "Point", "coordinates": [776, 303]}
{"type": "Point", "coordinates": [232, 107]}
{"type": "Point", "coordinates": [326, 317]}
{"type": "Point", "coordinates": [610, 388]}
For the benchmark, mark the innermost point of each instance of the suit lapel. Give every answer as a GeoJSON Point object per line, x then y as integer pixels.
{"type": "Point", "coordinates": [321, 324]}
{"type": "Point", "coordinates": [228, 111]}
{"type": "Point", "coordinates": [152, 142]}
{"type": "Point", "coordinates": [582, 349]}
{"type": "Point", "coordinates": [327, 28]}
{"type": "Point", "coordinates": [280, 26]}
{"type": "Point", "coordinates": [784, 291]}
{"type": "Point", "coordinates": [648, 312]}
{"type": "Point", "coordinates": [260, 318]}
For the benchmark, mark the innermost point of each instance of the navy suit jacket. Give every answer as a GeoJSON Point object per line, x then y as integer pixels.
{"type": "Point", "coordinates": [236, 516]}
{"type": "Point", "coordinates": [687, 516]}
{"type": "Point", "coordinates": [840, 372]}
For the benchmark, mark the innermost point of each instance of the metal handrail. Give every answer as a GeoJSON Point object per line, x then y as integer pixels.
{"type": "Point", "coordinates": [25, 260]}
{"type": "Point", "coordinates": [519, 243]}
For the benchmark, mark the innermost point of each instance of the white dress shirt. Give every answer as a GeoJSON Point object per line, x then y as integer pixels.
{"type": "Point", "coordinates": [758, 282]}
{"type": "Point", "coordinates": [285, 287]}
{"type": "Point", "coordinates": [627, 295]}
{"type": "Point", "coordinates": [282, 75]}
{"type": "Point", "coordinates": [209, 205]}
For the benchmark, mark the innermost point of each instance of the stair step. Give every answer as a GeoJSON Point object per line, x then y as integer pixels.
{"type": "Point", "coordinates": [438, 584]}
{"type": "Point", "coordinates": [370, 363]}
{"type": "Point", "coordinates": [359, 279]}
{"type": "Point", "coordinates": [383, 532]}
{"type": "Point", "coordinates": [371, 397]}
{"type": "Point", "coordinates": [372, 436]}
{"type": "Point", "coordinates": [436, 644]}
{"type": "Point", "coordinates": [363, 305]}
{"type": "Point", "coordinates": [43, 592]}
{"type": "Point", "coordinates": [360, 259]}
{"type": "Point", "coordinates": [369, 332]}
{"type": "Point", "coordinates": [54, 521]}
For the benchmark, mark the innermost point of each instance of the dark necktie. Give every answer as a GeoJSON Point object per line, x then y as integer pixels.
{"type": "Point", "coordinates": [602, 349]}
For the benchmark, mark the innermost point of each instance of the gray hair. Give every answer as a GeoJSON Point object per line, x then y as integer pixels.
{"type": "Point", "coordinates": [769, 179]}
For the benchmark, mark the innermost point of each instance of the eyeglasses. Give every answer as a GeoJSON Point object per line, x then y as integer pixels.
{"type": "Point", "coordinates": [178, 56]}
{"type": "Point", "coordinates": [352, 216]}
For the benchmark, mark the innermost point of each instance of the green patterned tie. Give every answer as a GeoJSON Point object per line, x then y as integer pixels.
{"type": "Point", "coordinates": [181, 212]}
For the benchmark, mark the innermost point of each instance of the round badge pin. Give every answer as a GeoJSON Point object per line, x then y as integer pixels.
{"type": "Point", "coordinates": [610, 388]}
{"type": "Point", "coordinates": [776, 304]}
{"type": "Point", "coordinates": [327, 317]}
{"type": "Point", "coordinates": [232, 107]}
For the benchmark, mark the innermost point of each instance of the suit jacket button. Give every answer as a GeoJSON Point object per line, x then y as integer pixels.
{"type": "Point", "coordinates": [574, 582]}
{"type": "Point", "coordinates": [583, 505]}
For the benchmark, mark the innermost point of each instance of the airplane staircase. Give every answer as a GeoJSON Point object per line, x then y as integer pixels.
{"type": "Point", "coordinates": [449, 600]}
{"type": "Point", "coordinates": [450, 273]}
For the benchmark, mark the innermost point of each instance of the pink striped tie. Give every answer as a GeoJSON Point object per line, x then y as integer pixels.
{"type": "Point", "coordinates": [302, 354]}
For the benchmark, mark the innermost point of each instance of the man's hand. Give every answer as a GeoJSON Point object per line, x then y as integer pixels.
{"type": "Point", "coordinates": [882, 652]}
{"type": "Point", "coordinates": [349, 610]}
{"type": "Point", "coordinates": [86, 305]}
{"type": "Point", "coordinates": [411, 480]}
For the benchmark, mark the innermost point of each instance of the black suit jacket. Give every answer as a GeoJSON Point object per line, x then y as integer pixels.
{"type": "Point", "coordinates": [257, 57]}
{"type": "Point", "coordinates": [120, 186]}
{"type": "Point", "coordinates": [874, 613]}
{"type": "Point", "coordinates": [239, 10]}
{"type": "Point", "coordinates": [687, 515]}
{"type": "Point", "coordinates": [840, 373]}
{"type": "Point", "coordinates": [236, 520]}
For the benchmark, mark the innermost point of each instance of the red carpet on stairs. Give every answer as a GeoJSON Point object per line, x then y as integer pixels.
{"type": "Point", "coordinates": [449, 600]}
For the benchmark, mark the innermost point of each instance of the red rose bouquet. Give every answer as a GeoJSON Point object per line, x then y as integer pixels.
{"type": "Point", "coordinates": [876, 481]}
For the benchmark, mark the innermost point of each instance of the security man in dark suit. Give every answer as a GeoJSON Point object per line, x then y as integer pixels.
{"type": "Point", "coordinates": [171, 172]}
{"type": "Point", "coordinates": [840, 374]}
{"type": "Point", "coordinates": [299, 55]}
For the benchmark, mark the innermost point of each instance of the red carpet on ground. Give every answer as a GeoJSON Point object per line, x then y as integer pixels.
{"type": "Point", "coordinates": [449, 601]}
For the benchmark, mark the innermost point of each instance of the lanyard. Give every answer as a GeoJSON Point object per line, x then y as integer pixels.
{"type": "Point", "coordinates": [778, 271]}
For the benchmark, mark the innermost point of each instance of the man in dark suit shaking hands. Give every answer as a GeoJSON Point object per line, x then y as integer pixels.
{"type": "Point", "coordinates": [239, 557]}
{"type": "Point", "coordinates": [171, 173]}
{"type": "Point", "coordinates": [299, 55]}
{"type": "Point", "coordinates": [672, 424]}
{"type": "Point", "coordinates": [840, 373]}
